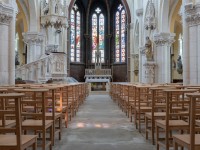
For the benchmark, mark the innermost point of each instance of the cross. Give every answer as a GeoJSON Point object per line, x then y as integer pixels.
{"type": "Point", "coordinates": [75, 7]}
{"type": "Point", "coordinates": [98, 10]}
{"type": "Point", "coordinates": [120, 7]}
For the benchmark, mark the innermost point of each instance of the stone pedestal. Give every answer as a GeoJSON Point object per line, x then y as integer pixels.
{"type": "Point", "coordinates": [162, 56]}
{"type": "Point", "coordinates": [7, 37]}
{"type": "Point", "coordinates": [150, 72]}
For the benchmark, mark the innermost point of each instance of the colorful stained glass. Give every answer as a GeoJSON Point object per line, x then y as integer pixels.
{"type": "Point", "coordinates": [78, 35]}
{"type": "Point", "coordinates": [117, 35]}
{"type": "Point", "coordinates": [75, 39]}
{"type": "Point", "coordinates": [72, 35]}
{"type": "Point", "coordinates": [120, 35]}
{"type": "Point", "coordinates": [98, 34]}
{"type": "Point", "coordinates": [94, 36]}
{"type": "Point", "coordinates": [123, 41]}
{"type": "Point", "coordinates": [101, 36]}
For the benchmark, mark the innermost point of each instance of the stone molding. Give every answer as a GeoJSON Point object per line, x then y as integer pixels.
{"type": "Point", "coordinates": [33, 37]}
{"type": "Point", "coordinates": [142, 50]}
{"type": "Point", "coordinates": [6, 13]}
{"type": "Point", "coordinates": [192, 14]}
{"type": "Point", "coordinates": [164, 39]}
{"type": "Point", "coordinates": [54, 20]}
{"type": "Point", "coordinates": [139, 12]}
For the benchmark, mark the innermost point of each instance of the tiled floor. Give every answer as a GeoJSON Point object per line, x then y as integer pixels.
{"type": "Point", "coordinates": [101, 125]}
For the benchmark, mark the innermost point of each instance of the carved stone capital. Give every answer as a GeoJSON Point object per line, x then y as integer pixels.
{"type": "Point", "coordinates": [164, 39]}
{"type": "Point", "coordinates": [33, 37]}
{"type": "Point", "coordinates": [6, 13]}
{"type": "Point", "coordinates": [139, 12]}
{"type": "Point", "coordinates": [192, 13]}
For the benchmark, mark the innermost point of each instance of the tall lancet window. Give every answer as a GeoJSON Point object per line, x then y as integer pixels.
{"type": "Point", "coordinates": [98, 34]}
{"type": "Point", "coordinates": [75, 40]}
{"type": "Point", "coordinates": [120, 35]}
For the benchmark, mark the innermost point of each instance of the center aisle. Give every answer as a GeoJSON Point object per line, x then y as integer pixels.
{"type": "Point", "coordinates": [100, 125]}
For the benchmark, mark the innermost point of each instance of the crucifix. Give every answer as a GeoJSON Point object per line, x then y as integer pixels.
{"type": "Point", "coordinates": [98, 58]}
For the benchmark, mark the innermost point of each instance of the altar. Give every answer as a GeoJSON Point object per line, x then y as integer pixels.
{"type": "Point", "coordinates": [98, 78]}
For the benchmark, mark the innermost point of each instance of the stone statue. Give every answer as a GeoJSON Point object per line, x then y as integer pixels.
{"type": "Point", "coordinates": [148, 50]}
{"type": "Point", "coordinates": [179, 65]}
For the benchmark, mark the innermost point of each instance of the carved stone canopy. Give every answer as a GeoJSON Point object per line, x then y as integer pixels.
{"type": "Point", "coordinates": [150, 20]}
{"type": "Point", "coordinates": [54, 20]}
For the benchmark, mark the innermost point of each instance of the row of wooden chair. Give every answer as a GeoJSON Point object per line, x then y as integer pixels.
{"type": "Point", "coordinates": [41, 110]}
{"type": "Point", "coordinates": [163, 109]}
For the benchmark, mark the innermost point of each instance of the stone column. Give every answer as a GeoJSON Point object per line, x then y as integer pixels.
{"type": "Point", "coordinates": [139, 13]}
{"type": "Point", "coordinates": [7, 36]}
{"type": "Point", "coordinates": [191, 52]}
{"type": "Point", "coordinates": [162, 57]}
{"type": "Point", "coordinates": [142, 61]}
{"type": "Point", "coordinates": [87, 43]}
{"type": "Point", "coordinates": [34, 41]}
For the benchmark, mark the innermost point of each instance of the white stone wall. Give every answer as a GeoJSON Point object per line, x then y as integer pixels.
{"type": "Point", "coordinates": [39, 36]}
{"type": "Point", "coordinates": [8, 12]}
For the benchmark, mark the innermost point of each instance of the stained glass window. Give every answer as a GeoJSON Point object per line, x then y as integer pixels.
{"type": "Point", "coordinates": [120, 35]}
{"type": "Point", "coordinates": [75, 35]}
{"type": "Point", "coordinates": [98, 26]}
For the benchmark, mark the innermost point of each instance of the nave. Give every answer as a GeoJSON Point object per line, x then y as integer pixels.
{"type": "Point", "coordinates": [101, 125]}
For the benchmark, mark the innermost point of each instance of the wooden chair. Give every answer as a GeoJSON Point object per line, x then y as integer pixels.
{"type": "Point", "coordinates": [142, 104]}
{"type": "Point", "coordinates": [15, 141]}
{"type": "Point", "coordinates": [36, 120]}
{"type": "Point", "coordinates": [172, 122]}
{"type": "Point", "coordinates": [54, 94]}
{"type": "Point", "coordinates": [158, 110]}
{"type": "Point", "coordinates": [190, 141]}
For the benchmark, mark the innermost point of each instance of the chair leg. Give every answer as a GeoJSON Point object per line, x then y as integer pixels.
{"type": "Point", "coordinates": [35, 144]}
{"type": "Point", "coordinates": [43, 139]}
{"type": "Point", "coordinates": [60, 127]}
{"type": "Point", "coordinates": [51, 137]}
{"type": "Point", "coordinates": [175, 145]}
{"type": "Point", "coordinates": [157, 137]}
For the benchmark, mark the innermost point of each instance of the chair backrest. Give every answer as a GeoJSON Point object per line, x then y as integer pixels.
{"type": "Point", "coordinates": [16, 97]}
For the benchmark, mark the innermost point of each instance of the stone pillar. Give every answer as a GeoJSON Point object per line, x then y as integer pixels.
{"type": "Point", "coordinates": [34, 41]}
{"type": "Point", "coordinates": [142, 61]}
{"type": "Point", "coordinates": [7, 36]}
{"type": "Point", "coordinates": [162, 57]}
{"type": "Point", "coordinates": [191, 52]}
{"type": "Point", "coordinates": [139, 13]}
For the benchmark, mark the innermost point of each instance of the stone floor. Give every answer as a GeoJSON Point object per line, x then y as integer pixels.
{"type": "Point", "coordinates": [101, 125]}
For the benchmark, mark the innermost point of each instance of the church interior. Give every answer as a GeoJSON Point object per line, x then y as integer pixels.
{"type": "Point", "coordinates": [99, 74]}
